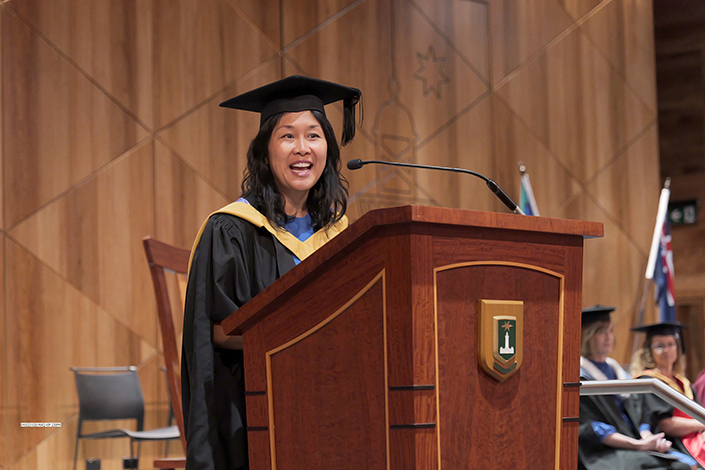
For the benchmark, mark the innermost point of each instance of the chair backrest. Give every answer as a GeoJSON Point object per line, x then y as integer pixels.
{"type": "Point", "coordinates": [163, 257]}
{"type": "Point", "coordinates": [107, 393]}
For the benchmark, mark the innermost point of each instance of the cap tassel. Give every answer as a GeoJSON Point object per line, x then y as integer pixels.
{"type": "Point", "coordinates": [349, 119]}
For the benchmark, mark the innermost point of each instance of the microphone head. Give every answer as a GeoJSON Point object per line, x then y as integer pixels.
{"type": "Point", "coordinates": [355, 164]}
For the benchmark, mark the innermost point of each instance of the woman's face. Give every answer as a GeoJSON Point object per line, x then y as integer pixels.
{"type": "Point", "coordinates": [603, 342]}
{"type": "Point", "coordinates": [297, 154]}
{"type": "Point", "coordinates": [664, 350]}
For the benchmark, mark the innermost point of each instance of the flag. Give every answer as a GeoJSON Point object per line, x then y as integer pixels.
{"type": "Point", "coordinates": [663, 276]}
{"type": "Point", "coordinates": [660, 265]}
{"type": "Point", "coordinates": [526, 195]}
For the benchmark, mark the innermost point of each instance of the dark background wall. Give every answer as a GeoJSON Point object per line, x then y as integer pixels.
{"type": "Point", "coordinates": [680, 63]}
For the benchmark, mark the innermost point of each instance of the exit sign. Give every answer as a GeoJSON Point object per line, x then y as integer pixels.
{"type": "Point", "coordinates": [683, 212]}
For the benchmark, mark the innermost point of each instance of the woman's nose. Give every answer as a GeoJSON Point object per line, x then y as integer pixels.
{"type": "Point", "coordinates": [301, 146]}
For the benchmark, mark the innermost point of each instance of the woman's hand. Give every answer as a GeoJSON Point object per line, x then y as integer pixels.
{"type": "Point", "coordinates": [224, 341]}
{"type": "Point", "coordinates": [655, 442]}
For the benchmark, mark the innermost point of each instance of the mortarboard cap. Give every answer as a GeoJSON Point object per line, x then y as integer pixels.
{"type": "Point", "coordinates": [596, 313]}
{"type": "Point", "coordinates": [298, 93]}
{"type": "Point", "coordinates": [666, 328]}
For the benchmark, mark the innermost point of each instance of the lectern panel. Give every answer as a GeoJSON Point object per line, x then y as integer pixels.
{"type": "Point", "coordinates": [485, 423]}
{"type": "Point", "coordinates": [328, 397]}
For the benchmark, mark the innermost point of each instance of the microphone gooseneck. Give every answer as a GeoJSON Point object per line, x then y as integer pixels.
{"type": "Point", "coordinates": [356, 164]}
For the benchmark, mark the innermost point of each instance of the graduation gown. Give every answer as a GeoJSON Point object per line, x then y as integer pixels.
{"type": "Point", "coordinates": [236, 255]}
{"type": "Point", "coordinates": [592, 454]}
{"type": "Point", "coordinates": [656, 409]}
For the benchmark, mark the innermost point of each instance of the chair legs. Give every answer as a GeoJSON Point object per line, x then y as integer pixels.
{"type": "Point", "coordinates": [75, 451]}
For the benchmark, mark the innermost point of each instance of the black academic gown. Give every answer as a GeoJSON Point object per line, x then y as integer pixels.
{"type": "Point", "coordinates": [656, 409]}
{"type": "Point", "coordinates": [233, 262]}
{"type": "Point", "coordinates": [594, 455]}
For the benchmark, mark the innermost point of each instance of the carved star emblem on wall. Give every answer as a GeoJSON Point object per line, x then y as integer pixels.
{"type": "Point", "coordinates": [431, 72]}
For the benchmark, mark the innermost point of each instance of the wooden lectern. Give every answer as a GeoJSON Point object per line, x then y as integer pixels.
{"type": "Point", "coordinates": [366, 356]}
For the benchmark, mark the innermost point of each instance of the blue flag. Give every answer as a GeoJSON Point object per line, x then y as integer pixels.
{"type": "Point", "coordinates": [527, 202]}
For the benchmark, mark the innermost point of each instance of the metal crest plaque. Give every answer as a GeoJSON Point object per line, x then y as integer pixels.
{"type": "Point", "coordinates": [500, 330]}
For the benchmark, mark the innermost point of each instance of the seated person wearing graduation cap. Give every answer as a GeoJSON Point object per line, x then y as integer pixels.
{"type": "Point", "coordinates": [661, 357]}
{"type": "Point", "coordinates": [611, 432]}
{"type": "Point", "coordinates": [293, 201]}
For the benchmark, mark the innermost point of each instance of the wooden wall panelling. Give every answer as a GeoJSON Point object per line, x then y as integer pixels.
{"type": "Point", "coordinates": [578, 8]}
{"type": "Point", "coordinates": [54, 329]}
{"type": "Point", "coordinates": [264, 14]}
{"type": "Point", "coordinates": [198, 50]}
{"type": "Point", "coordinates": [622, 30]}
{"type": "Point", "coordinates": [613, 273]}
{"type": "Point", "coordinates": [465, 26]}
{"type": "Point", "coordinates": [214, 141]}
{"type": "Point", "coordinates": [4, 422]}
{"type": "Point", "coordinates": [365, 61]}
{"type": "Point", "coordinates": [298, 20]}
{"type": "Point", "coordinates": [183, 199]}
{"type": "Point", "coordinates": [577, 105]}
{"type": "Point", "coordinates": [96, 230]}
{"type": "Point", "coordinates": [521, 29]}
{"type": "Point", "coordinates": [513, 143]}
{"type": "Point", "coordinates": [110, 41]}
{"type": "Point", "coordinates": [632, 202]}
{"type": "Point", "coordinates": [58, 126]}
{"type": "Point", "coordinates": [466, 142]}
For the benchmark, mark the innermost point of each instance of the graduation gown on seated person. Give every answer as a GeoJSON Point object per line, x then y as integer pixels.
{"type": "Point", "coordinates": [236, 255]}
{"type": "Point", "coordinates": [594, 455]}
{"type": "Point", "coordinates": [656, 409]}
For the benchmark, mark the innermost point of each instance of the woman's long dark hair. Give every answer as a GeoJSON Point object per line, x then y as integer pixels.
{"type": "Point", "coordinates": [327, 199]}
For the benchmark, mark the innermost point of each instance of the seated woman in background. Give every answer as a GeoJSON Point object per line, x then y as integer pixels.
{"type": "Point", "coordinates": [661, 358]}
{"type": "Point", "coordinates": [612, 435]}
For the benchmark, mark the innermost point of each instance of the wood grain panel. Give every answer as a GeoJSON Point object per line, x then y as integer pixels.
{"type": "Point", "coordinates": [58, 126]}
{"type": "Point", "coordinates": [214, 141]}
{"type": "Point", "coordinates": [613, 274]}
{"type": "Point", "coordinates": [351, 350]}
{"type": "Point", "coordinates": [92, 237]}
{"type": "Point", "coordinates": [198, 50]}
{"type": "Point", "coordinates": [622, 30]}
{"type": "Point", "coordinates": [519, 408]}
{"type": "Point", "coordinates": [465, 143]}
{"type": "Point", "coordinates": [296, 21]}
{"type": "Point", "coordinates": [578, 8]}
{"type": "Point", "coordinates": [632, 202]}
{"type": "Point", "coordinates": [264, 14]}
{"type": "Point", "coordinates": [183, 199]}
{"type": "Point", "coordinates": [66, 331]}
{"type": "Point", "coordinates": [520, 30]}
{"type": "Point", "coordinates": [434, 82]}
{"type": "Point", "coordinates": [558, 98]}
{"type": "Point", "coordinates": [3, 351]}
{"type": "Point", "coordinates": [366, 60]}
{"type": "Point", "coordinates": [110, 41]}
{"type": "Point", "coordinates": [515, 143]}
{"type": "Point", "coordinates": [465, 25]}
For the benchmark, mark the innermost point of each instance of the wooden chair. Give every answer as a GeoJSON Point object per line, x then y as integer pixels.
{"type": "Point", "coordinates": [163, 257]}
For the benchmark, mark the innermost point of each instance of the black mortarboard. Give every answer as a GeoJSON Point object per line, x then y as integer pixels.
{"type": "Point", "coordinates": [298, 93]}
{"type": "Point", "coordinates": [596, 313]}
{"type": "Point", "coordinates": [666, 328]}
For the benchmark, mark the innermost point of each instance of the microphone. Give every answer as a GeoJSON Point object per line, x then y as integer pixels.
{"type": "Point", "coordinates": [356, 164]}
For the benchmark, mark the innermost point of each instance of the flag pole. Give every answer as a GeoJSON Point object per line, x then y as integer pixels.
{"type": "Point", "coordinates": [653, 253]}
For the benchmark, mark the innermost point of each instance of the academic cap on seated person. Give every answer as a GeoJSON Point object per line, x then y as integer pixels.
{"type": "Point", "coordinates": [595, 313]}
{"type": "Point", "coordinates": [298, 93]}
{"type": "Point", "coordinates": [665, 328]}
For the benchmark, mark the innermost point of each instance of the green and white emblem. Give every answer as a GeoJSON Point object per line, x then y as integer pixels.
{"type": "Point", "coordinates": [500, 337]}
